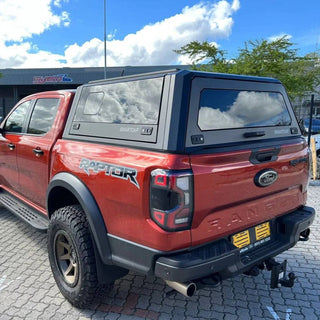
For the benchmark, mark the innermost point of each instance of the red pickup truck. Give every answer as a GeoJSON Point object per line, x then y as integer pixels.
{"type": "Point", "coordinates": [189, 176]}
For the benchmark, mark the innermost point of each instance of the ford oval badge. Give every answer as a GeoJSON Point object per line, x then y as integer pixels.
{"type": "Point", "coordinates": [265, 177]}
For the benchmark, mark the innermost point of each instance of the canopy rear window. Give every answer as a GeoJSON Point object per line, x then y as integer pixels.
{"type": "Point", "coordinates": [226, 109]}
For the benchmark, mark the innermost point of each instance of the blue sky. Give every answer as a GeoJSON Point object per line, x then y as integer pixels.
{"type": "Point", "coordinates": [69, 33]}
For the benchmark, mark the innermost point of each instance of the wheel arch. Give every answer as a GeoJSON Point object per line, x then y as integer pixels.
{"type": "Point", "coordinates": [67, 189]}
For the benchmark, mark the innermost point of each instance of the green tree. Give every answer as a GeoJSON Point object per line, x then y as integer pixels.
{"type": "Point", "coordinates": [278, 59]}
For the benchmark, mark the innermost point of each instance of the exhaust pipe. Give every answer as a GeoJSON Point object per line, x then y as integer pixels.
{"type": "Point", "coordinates": [304, 235]}
{"type": "Point", "coordinates": [187, 289]}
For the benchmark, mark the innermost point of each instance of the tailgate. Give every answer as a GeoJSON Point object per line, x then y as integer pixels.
{"type": "Point", "coordinates": [240, 189]}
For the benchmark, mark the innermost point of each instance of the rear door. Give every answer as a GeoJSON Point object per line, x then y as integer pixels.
{"type": "Point", "coordinates": [248, 158]}
{"type": "Point", "coordinates": [33, 150]}
{"type": "Point", "coordinates": [9, 139]}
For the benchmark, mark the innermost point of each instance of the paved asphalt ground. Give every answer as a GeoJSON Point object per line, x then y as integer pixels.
{"type": "Point", "coordinates": [28, 291]}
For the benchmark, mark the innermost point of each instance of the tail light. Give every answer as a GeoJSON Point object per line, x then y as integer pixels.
{"type": "Point", "coordinates": [171, 199]}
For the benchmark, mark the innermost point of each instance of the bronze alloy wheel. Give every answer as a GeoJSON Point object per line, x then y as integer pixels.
{"type": "Point", "coordinates": [66, 258]}
{"type": "Point", "coordinates": [72, 258]}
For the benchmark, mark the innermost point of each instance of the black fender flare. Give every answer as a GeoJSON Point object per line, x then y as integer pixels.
{"type": "Point", "coordinates": [88, 203]}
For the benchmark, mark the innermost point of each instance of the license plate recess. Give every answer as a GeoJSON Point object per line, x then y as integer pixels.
{"type": "Point", "coordinates": [252, 237]}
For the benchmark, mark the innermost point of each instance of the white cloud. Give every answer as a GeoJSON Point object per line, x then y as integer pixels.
{"type": "Point", "coordinates": [65, 18]}
{"type": "Point", "coordinates": [152, 45]}
{"type": "Point", "coordinates": [21, 20]}
{"type": "Point", "coordinates": [279, 36]}
{"type": "Point", "coordinates": [21, 56]}
{"type": "Point", "coordinates": [112, 35]}
{"type": "Point", "coordinates": [235, 5]}
{"type": "Point", "coordinates": [57, 3]}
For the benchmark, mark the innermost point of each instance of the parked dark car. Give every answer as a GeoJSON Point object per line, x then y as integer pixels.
{"type": "Point", "coordinates": [315, 125]}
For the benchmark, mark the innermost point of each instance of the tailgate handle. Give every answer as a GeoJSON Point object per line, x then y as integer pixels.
{"type": "Point", "coordinates": [262, 156]}
{"type": "Point", "coordinates": [253, 134]}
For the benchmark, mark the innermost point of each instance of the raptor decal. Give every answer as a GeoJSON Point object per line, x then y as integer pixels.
{"type": "Point", "coordinates": [112, 170]}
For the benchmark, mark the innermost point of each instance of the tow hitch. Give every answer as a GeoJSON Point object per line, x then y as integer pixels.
{"type": "Point", "coordinates": [279, 276]}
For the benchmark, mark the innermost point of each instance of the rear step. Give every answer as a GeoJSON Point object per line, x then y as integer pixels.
{"type": "Point", "coordinates": [26, 213]}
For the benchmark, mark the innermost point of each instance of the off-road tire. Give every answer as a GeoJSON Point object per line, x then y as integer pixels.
{"type": "Point", "coordinates": [71, 255]}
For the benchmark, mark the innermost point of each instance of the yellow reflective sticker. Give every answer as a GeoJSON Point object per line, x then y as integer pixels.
{"type": "Point", "coordinates": [262, 231]}
{"type": "Point", "coordinates": [241, 239]}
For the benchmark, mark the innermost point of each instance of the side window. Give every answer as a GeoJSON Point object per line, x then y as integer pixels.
{"type": "Point", "coordinates": [127, 110]}
{"type": "Point", "coordinates": [43, 115]}
{"type": "Point", "coordinates": [17, 118]}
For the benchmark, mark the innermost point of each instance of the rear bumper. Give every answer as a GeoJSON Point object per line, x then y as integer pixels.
{"type": "Point", "coordinates": [224, 259]}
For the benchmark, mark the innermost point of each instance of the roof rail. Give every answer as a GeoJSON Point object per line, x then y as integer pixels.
{"type": "Point", "coordinates": [160, 72]}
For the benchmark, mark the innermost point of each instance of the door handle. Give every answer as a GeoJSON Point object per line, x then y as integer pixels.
{"type": "Point", "coordinates": [38, 152]}
{"type": "Point", "coordinates": [11, 146]}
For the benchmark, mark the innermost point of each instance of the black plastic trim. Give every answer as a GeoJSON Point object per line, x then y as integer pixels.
{"type": "Point", "coordinates": [218, 257]}
{"type": "Point", "coordinates": [237, 146]}
{"type": "Point", "coordinates": [83, 195]}
{"type": "Point", "coordinates": [133, 256]}
{"type": "Point", "coordinates": [221, 257]}
{"type": "Point", "coordinates": [180, 111]}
